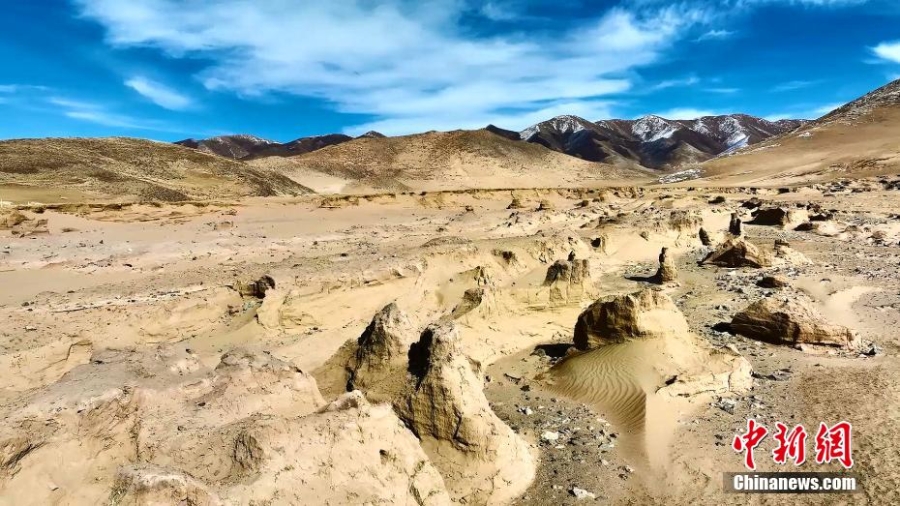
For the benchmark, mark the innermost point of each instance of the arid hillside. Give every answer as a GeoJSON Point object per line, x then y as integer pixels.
{"type": "Point", "coordinates": [124, 169]}
{"type": "Point", "coordinates": [444, 160]}
{"type": "Point", "coordinates": [856, 140]}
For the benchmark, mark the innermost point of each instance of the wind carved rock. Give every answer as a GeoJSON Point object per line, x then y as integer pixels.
{"type": "Point", "coordinates": [791, 321]}
{"type": "Point", "coordinates": [667, 271]}
{"type": "Point", "coordinates": [734, 226]}
{"type": "Point", "coordinates": [482, 460]}
{"type": "Point", "coordinates": [381, 348]}
{"type": "Point", "coordinates": [569, 280]}
{"type": "Point", "coordinates": [645, 314]}
{"type": "Point", "coordinates": [736, 252]}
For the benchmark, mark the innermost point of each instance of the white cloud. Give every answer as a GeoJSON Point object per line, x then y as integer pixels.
{"type": "Point", "coordinates": [406, 64]}
{"type": "Point", "coordinates": [889, 51]}
{"type": "Point", "coordinates": [793, 85]}
{"type": "Point", "coordinates": [672, 83]}
{"type": "Point", "coordinates": [723, 91]}
{"type": "Point", "coordinates": [805, 112]}
{"type": "Point", "coordinates": [158, 93]}
{"type": "Point", "coordinates": [686, 113]}
{"type": "Point", "coordinates": [716, 35]}
{"type": "Point", "coordinates": [93, 112]}
{"type": "Point", "coordinates": [497, 11]}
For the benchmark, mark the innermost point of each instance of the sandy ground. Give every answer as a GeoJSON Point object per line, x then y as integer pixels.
{"type": "Point", "coordinates": [124, 331]}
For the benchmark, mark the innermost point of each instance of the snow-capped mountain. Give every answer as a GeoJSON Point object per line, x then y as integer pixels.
{"type": "Point", "coordinates": [653, 141]}
{"type": "Point", "coordinates": [229, 146]}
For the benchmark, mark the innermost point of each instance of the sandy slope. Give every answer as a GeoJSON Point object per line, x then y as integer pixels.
{"type": "Point", "coordinates": [122, 169]}
{"type": "Point", "coordinates": [444, 160]}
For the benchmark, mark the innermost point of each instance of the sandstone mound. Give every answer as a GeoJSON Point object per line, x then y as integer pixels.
{"type": "Point", "coordinates": [736, 252]}
{"type": "Point", "coordinates": [381, 350]}
{"type": "Point", "coordinates": [481, 459]}
{"type": "Point", "coordinates": [248, 382]}
{"type": "Point", "coordinates": [645, 314]}
{"type": "Point", "coordinates": [569, 281]}
{"type": "Point", "coordinates": [792, 321]}
{"type": "Point", "coordinates": [640, 364]}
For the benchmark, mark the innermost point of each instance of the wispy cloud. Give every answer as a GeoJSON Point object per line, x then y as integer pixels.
{"type": "Point", "coordinates": [888, 51]}
{"type": "Point", "coordinates": [793, 85]}
{"type": "Point", "coordinates": [20, 88]}
{"type": "Point", "coordinates": [723, 91]}
{"type": "Point", "coordinates": [827, 108]}
{"type": "Point", "coordinates": [158, 93]}
{"type": "Point", "coordinates": [716, 35]}
{"type": "Point", "coordinates": [99, 114]}
{"type": "Point", "coordinates": [673, 83]}
{"type": "Point", "coordinates": [410, 66]}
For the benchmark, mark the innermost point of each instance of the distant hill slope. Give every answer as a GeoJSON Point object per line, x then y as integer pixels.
{"type": "Point", "coordinates": [249, 147]}
{"type": "Point", "coordinates": [130, 169]}
{"type": "Point", "coordinates": [858, 139]}
{"type": "Point", "coordinates": [652, 141]}
{"type": "Point", "coordinates": [444, 160]}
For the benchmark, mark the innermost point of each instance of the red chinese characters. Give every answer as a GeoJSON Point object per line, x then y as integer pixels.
{"type": "Point", "coordinates": [790, 444]}
{"type": "Point", "coordinates": [749, 441]}
{"type": "Point", "coordinates": [834, 443]}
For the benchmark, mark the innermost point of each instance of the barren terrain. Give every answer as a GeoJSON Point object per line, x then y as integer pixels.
{"type": "Point", "coordinates": [472, 347]}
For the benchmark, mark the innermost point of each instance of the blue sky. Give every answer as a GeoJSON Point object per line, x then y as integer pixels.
{"type": "Point", "coordinates": [280, 69]}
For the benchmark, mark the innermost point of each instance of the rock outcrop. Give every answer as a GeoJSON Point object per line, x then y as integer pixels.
{"type": "Point", "coordinates": [790, 320]}
{"type": "Point", "coordinates": [257, 288]}
{"type": "Point", "coordinates": [788, 219]}
{"type": "Point", "coordinates": [736, 252]}
{"type": "Point", "coordinates": [734, 226]}
{"type": "Point", "coordinates": [645, 314]}
{"type": "Point", "coordinates": [381, 350]}
{"type": "Point", "coordinates": [481, 459]}
{"type": "Point", "coordinates": [667, 271]}
{"type": "Point", "coordinates": [569, 280]}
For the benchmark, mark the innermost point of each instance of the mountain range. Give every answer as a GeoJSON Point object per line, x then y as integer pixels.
{"type": "Point", "coordinates": [652, 141]}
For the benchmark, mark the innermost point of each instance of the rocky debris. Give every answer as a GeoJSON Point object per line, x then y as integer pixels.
{"type": "Point", "coordinates": [645, 314]}
{"type": "Point", "coordinates": [718, 199]}
{"type": "Point", "coordinates": [21, 225]}
{"type": "Point", "coordinates": [734, 225]}
{"type": "Point", "coordinates": [790, 320]}
{"type": "Point", "coordinates": [545, 205]}
{"type": "Point", "coordinates": [256, 288]}
{"type": "Point", "coordinates": [144, 485]}
{"type": "Point", "coordinates": [569, 280]}
{"type": "Point", "coordinates": [772, 282]}
{"type": "Point", "coordinates": [516, 204]}
{"type": "Point", "coordinates": [736, 252]}
{"type": "Point", "coordinates": [704, 237]}
{"type": "Point", "coordinates": [381, 349]}
{"type": "Point", "coordinates": [788, 219]}
{"type": "Point", "coordinates": [667, 271]}
{"type": "Point", "coordinates": [481, 459]}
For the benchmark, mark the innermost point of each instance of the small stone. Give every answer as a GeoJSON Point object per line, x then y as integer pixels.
{"type": "Point", "coordinates": [581, 493]}
{"type": "Point", "coordinates": [550, 436]}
